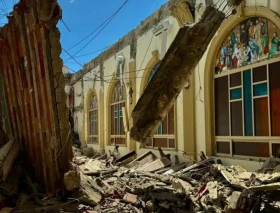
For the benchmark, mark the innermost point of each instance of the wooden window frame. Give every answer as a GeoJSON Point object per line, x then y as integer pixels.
{"type": "Point", "coordinates": [162, 136]}
{"type": "Point", "coordinates": [93, 138]}
{"type": "Point", "coordinates": [114, 137]}
{"type": "Point", "coordinates": [253, 139]}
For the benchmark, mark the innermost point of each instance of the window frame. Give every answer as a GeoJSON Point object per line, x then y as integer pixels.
{"type": "Point", "coordinates": [248, 139]}
{"type": "Point", "coordinates": [167, 136]}
{"type": "Point", "coordinates": [118, 103]}
{"type": "Point", "coordinates": [91, 125]}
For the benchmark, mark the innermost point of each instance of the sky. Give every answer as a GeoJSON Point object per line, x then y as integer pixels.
{"type": "Point", "coordinates": [82, 17]}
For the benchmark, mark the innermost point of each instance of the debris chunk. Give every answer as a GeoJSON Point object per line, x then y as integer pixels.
{"type": "Point", "coordinates": [130, 197]}
{"type": "Point", "coordinates": [72, 180]}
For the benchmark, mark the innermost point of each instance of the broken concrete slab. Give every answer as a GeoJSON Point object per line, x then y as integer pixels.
{"type": "Point", "coordinates": [172, 75]}
{"type": "Point", "coordinates": [155, 165]}
{"type": "Point", "coordinates": [176, 168]}
{"type": "Point", "coordinates": [245, 175]}
{"type": "Point", "coordinates": [87, 195]}
{"type": "Point", "coordinates": [128, 157]}
{"type": "Point", "coordinates": [268, 178]}
{"type": "Point", "coordinates": [233, 202]}
{"type": "Point", "coordinates": [143, 159]}
{"type": "Point", "coordinates": [212, 188]}
{"type": "Point", "coordinates": [130, 198]}
{"type": "Point", "coordinates": [267, 187]}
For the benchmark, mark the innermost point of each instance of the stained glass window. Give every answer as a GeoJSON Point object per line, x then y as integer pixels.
{"type": "Point", "coordinates": [247, 90]}
{"type": "Point", "coordinates": [116, 107]}
{"type": "Point", "coordinates": [253, 40]}
{"type": "Point", "coordinates": [164, 136]}
{"type": "Point", "coordinates": [93, 119]}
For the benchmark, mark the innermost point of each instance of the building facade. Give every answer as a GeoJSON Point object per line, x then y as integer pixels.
{"type": "Point", "coordinates": [230, 107]}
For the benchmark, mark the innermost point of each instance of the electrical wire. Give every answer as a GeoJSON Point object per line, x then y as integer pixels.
{"type": "Point", "coordinates": [86, 54]}
{"type": "Point", "coordinates": [106, 22]}
{"type": "Point", "coordinates": [98, 33]}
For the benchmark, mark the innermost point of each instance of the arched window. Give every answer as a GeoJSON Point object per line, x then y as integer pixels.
{"type": "Point", "coordinates": [93, 119]}
{"type": "Point", "coordinates": [247, 90]}
{"type": "Point", "coordinates": [116, 111]}
{"type": "Point", "coordinates": [164, 136]}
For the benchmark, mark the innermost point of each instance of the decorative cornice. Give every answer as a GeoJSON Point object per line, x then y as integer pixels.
{"type": "Point", "coordinates": [181, 12]}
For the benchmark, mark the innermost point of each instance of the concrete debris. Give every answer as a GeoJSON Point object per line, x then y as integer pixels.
{"type": "Point", "coordinates": [111, 185]}
{"type": "Point", "coordinates": [172, 74]}
{"type": "Point", "coordinates": [136, 186]}
{"type": "Point", "coordinates": [89, 152]}
{"type": "Point", "coordinates": [72, 180]}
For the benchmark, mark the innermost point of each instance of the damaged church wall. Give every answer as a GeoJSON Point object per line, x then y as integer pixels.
{"type": "Point", "coordinates": [269, 9]}
{"type": "Point", "coordinates": [134, 48]}
{"type": "Point", "coordinates": [78, 107]}
{"type": "Point", "coordinates": [151, 59]}
{"type": "Point", "coordinates": [31, 72]}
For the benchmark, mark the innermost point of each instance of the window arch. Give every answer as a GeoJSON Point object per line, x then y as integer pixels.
{"type": "Point", "coordinates": [164, 137]}
{"type": "Point", "coordinates": [247, 106]}
{"type": "Point", "coordinates": [93, 119]}
{"type": "Point", "coordinates": [116, 112]}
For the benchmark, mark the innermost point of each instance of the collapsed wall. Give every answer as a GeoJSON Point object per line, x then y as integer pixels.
{"type": "Point", "coordinates": [33, 83]}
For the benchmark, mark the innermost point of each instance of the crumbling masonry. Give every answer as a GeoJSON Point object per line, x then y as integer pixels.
{"type": "Point", "coordinates": [33, 83]}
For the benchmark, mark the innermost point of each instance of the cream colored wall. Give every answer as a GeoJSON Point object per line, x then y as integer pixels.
{"type": "Point", "coordinates": [77, 101]}
{"type": "Point", "coordinates": [199, 80]}
{"type": "Point", "coordinates": [109, 67]}
{"type": "Point", "coordinates": [89, 85]}
{"type": "Point", "coordinates": [141, 63]}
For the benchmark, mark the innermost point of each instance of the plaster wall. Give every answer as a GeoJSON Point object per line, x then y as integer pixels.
{"type": "Point", "coordinates": [200, 126]}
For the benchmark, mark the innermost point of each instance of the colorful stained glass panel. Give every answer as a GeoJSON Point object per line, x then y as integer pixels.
{"type": "Point", "coordinates": [235, 94]}
{"type": "Point", "coordinates": [253, 40]}
{"type": "Point", "coordinates": [247, 90]}
{"type": "Point", "coordinates": [260, 89]}
{"type": "Point", "coordinates": [274, 78]}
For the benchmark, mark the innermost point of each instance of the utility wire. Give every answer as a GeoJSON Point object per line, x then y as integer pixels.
{"type": "Point", "coordinates": [96, 51]}
{"type": "Point", "coordinates": [100, 26]}
{"type": "Point", "coordinates": [101, 29]}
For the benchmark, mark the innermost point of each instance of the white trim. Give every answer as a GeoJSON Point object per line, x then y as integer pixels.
{"type": "Point", "coordinates": [235, 100]}
{"type": "Point", "coordinates": [229, 108]}
{"type": "Point", "coordinates": [237, 87]}
{"type": "Point", "coordinates": [268, 101]}
{"type": "Point", "coordinates": [243, 114]}
{"type": "Point", "coordinates": [261, 96]}
{"type": "Point", "coordinates": [248, 138]}
{"type": "Point", "coordinates": [260, 82]}
{"type": "Point", "coordinates": [248, 67]}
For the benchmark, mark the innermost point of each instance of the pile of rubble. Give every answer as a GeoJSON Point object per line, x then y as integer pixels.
{"type": "Point", "coordinates": [151, 184]}
{"type": "Point", "coordinates": [142, 184]}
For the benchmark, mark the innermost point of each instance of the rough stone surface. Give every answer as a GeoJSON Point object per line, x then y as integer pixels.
{"type": "Point", "coordinates": [72, 180]}
{"type": "Point", "coordinates": [89, 152]}
{"type": "Point", "coordinates": [30, 69]}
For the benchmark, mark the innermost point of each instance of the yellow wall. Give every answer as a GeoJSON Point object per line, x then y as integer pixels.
{"type": "Point", "coordinates": [194, 118]}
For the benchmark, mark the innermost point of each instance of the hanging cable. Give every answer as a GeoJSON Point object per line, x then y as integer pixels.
{"type": "Point", "coordinates": [106, 22]}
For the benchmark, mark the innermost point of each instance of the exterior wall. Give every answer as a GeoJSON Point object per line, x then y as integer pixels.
{"type": "Point", "coordinates": [204, 111]}
{"type": "Point", "coordinates": [194, 115]}
{"type": "Point", "coordinates": [148, 49]}
{"type": "Point", "coordinates": [152, 57]}
{"type": "Point", "coordinates": [78, 108]}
